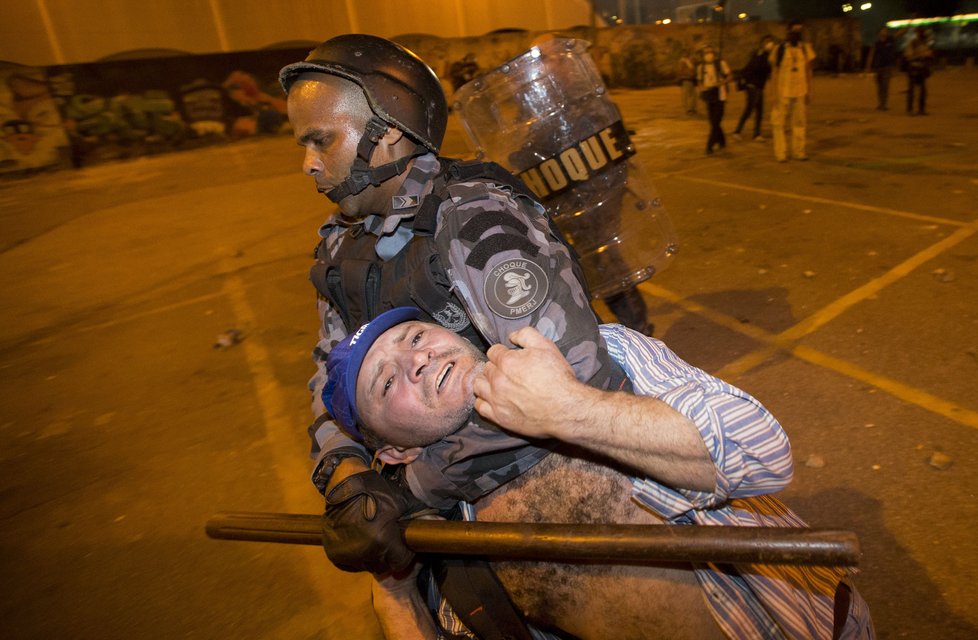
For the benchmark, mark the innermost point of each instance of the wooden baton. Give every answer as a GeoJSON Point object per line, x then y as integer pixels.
{"type": "Point", "coordinates": [610, 543]}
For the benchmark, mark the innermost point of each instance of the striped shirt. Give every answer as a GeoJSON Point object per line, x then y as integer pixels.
{"type": "Point", "coordinates": [752, 457]}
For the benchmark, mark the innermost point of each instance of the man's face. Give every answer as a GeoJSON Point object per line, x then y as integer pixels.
{"type": "Point", "coordinates": [328, 116]}
{"type": "Point", "coordinates": [415, 385]}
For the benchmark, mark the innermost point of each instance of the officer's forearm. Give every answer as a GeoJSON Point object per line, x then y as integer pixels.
{"type": "Point", "coordinates": [532, 391]}
{"type": "Point", "coordinates": [400, 610]}
{"type": "Point", "coordinates": [641, 432]}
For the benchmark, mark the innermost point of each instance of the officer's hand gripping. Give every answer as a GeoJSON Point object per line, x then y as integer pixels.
{"type": "Point", "coordinates": [360, 524]}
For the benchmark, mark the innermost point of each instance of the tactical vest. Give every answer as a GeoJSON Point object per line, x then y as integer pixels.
{"type": "Point", "coordinates": [361, 286]}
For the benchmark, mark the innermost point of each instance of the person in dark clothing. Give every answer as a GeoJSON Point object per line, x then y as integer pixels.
{"type": "Point", "coordinates": [919, 56]}
{"type": "Point", "coordinates": [754, 76]}
{"type": "Point", "coordinates": [882, 58]}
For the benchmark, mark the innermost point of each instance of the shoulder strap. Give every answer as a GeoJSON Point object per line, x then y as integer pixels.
{"type": "Point", "coordinates": [478, 598]}
{"type": "Point", "coordinates": [350, 279]}
{"type": "Point", "coordinates": [426, 219]}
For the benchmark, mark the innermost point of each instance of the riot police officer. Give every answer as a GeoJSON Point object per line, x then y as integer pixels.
{"type": "Point", "coordinates": [461, 241]}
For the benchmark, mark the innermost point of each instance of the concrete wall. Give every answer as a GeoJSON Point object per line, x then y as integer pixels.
{"type": "Point", "coordinates": [48, 32]}
{"type": "Point", "coordinates": [76, 115]}
{"type": "Point", "coordinates": [646, 55]}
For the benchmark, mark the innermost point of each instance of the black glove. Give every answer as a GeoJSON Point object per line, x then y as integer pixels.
{"type": "Point", "coordinates": [360, 525]}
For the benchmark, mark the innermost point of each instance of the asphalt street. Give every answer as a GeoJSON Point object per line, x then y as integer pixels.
{"type": "Point", "coordinates": [842, 292]}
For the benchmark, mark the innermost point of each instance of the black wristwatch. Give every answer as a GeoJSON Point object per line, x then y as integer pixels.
{"type": "Point", "coordinates": [328, 463]}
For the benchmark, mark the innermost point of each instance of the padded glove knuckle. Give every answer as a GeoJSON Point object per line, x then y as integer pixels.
{"type": "Point", "coordinates": [360, 530]}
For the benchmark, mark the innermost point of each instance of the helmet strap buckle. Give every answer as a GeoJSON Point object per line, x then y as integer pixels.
{"type": "Point", "coordinates": [362, 174]}
{"type": "Point", "coordinates": [374, 131]}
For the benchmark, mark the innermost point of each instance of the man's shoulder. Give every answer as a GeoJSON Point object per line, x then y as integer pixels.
{"type": "Point", "coordinates": [479, 209]}
{"type": "Point", "coordinates": [471, 189]}
{"type": "Point", "coordinates": [483, 194]}
{"type": "Point", "coordinates": [336, 233]}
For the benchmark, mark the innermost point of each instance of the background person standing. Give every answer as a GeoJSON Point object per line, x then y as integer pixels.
{"type": "Point", "coordinates": [712, 76]}
{"type": "Point", "coordinates": [882, 58]}
{"type": "Point", "coordinates": [754, 77]}
{"type": "Point", "coordinates": [919, 56]}
{"type": "Point", "coordinates": [791, 63]}
{"type": "Point", "coordinates": [687, 82]}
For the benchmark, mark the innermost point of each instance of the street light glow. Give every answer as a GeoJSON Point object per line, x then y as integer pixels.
{"type": "Point", "coordinates": [962, 18]}
{"type": "Point", "coordinates": [847, 8]}
{"type": "Point", "coordinates": [866, 5]}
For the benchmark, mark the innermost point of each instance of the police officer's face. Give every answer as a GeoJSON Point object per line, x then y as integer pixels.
{"type": "Point", "coordinates": [415, 385]}
{"type": "Point", "coordinates": [328, 116]}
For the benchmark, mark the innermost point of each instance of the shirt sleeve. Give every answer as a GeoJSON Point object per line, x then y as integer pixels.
{"type": "Point", "coordinates": [510, 270]}
{"type": "Point", "coordinates": [750, 450]}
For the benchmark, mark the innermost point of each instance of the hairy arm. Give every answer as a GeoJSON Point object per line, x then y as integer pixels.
{"type": "Point", "coordinates": [533, 391]}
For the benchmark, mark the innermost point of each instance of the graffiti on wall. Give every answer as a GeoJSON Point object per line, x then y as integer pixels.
{"type": "Point", "coordinates": [104, 127]}
{"type": "Point", "coordinates": [90, 113]}
{"type": "Point", "coordinates": [32, 135]}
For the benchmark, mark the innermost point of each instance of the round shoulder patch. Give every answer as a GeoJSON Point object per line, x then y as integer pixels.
{"type": "Point", "coordinates": [515, 288]}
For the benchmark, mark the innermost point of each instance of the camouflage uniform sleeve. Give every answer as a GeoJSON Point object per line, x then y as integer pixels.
{"type": "Point", "coordinates": [326, 437]}
{"type": "Point", "coordinates": [510, 270]}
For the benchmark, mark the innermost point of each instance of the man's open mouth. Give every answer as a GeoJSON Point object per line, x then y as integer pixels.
{"type": "Point", "coordinates": [443, 376]}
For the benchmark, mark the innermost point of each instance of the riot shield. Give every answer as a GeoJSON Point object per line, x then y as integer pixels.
{"type": "Point", "coordinates": [545, 115]}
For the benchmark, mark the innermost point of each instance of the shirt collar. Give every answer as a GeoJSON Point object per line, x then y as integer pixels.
{"type": "Point", "coordinates": [404, 205]}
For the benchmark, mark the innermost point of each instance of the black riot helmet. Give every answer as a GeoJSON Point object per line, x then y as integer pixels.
{"type": "Point", "coordinates": [399, 86]}
{"type": "Point", "coordinates": [401, 89]}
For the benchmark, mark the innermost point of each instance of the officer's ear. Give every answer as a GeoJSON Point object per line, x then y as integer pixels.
{"type": "Point", "coordinates": [391, 146]}
{"type": "Point", "coordinates": [392, 137]}
{"type": "Point", "coordinates": [389, 454]}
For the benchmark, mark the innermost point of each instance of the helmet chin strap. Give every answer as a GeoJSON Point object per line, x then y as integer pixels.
{"type": "Point", "coordinates": [362, 174]}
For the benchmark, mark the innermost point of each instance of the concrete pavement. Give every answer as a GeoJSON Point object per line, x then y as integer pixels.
{"type": "Point", "coordinates": [840, 291]}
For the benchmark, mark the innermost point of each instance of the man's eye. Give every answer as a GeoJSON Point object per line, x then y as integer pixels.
{"type": "Point", "coordinates": [417, 339]}
{"type": "Point", "coordinates": [319, 142]}
{"type": "Point", "coordinates": [387, 385]}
